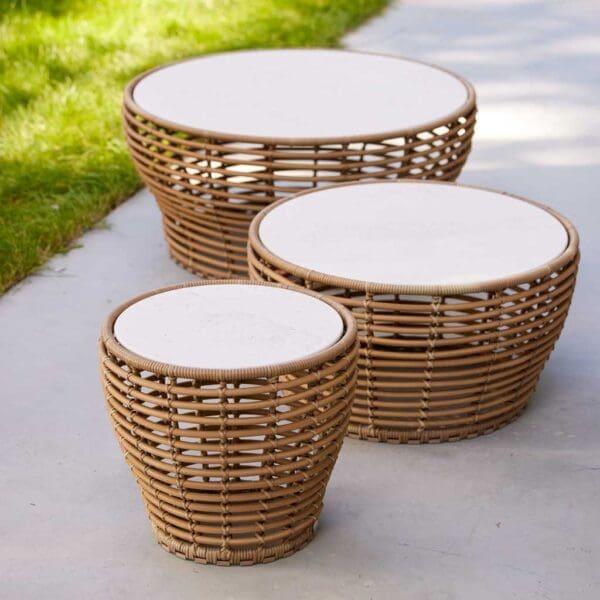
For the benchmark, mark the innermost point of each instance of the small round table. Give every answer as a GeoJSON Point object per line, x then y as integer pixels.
{"type": "Point", "coordinates": [230, 401]}
{"type": "Point", "coordinates": [460, 294]}
{"type": "Point", "coordinates": [219, 137]}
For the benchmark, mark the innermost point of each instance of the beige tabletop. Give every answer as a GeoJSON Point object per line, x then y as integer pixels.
{"type": "Point", "coordinates": [413, 233]}
{"type": "Point", "coordinates": [300, 93]}
{"type": "Point", "coordinates": [228, 326]}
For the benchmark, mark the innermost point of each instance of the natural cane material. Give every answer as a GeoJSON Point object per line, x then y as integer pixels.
{"type": "Point", "coordinates": [232, 464]}
{"type": "Point", "coordinates": [210, 185]}
{"type": "Point", "coordinates": [441, 363]}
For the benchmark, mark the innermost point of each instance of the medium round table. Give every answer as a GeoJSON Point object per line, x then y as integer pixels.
{"type": "Point", "coordinates": [219, 137]}
{"type": "Point", "coordinates": [460, 294]}
{"type": "Point", "coordinates": [230, 401]}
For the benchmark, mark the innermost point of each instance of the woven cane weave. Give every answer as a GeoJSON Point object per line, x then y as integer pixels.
{"type": "Point", "coordinates": [441, 363]}
{"type": "Point", "coordinates": [232, 464]}
{"type": "Point", "coordinates": [209, 185]}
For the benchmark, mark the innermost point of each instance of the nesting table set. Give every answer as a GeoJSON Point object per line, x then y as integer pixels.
{"type": "Point", "coordinates": [384, 307]}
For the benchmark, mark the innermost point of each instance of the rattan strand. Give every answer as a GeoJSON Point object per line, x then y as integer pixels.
{"type": "Point", "coordinates": [232, 464]}
{"type": "Point", "coordinates": [209, 185]}
{"type": "Point", "coordinates": [442, 363]}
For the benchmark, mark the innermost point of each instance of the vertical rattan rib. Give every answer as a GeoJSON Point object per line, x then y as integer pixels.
{"type": "Point", "coordinates": [210, 185]}
{"type": "Point", "coordinates": [232, 464]}
{"type": "Point", "coordinates": [442, 363]}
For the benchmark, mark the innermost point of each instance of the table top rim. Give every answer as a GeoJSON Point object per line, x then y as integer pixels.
{"type": "Point", "coordinates": [569, 253]}
{"type": "Point", "coordinates": [467, 107]}
{"type": "Point", "coordinates": [229, 373]}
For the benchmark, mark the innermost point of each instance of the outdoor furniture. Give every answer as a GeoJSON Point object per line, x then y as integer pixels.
{"type": "Point", "coordinates": [219, 137]}
{"type": "Point", "coordinates": [230, 401]}
{"type": "Point", "coordinates": [460, 294]}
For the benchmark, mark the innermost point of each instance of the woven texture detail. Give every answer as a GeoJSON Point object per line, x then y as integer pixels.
{"type": "Point", "coordinates": [209, 188]}
{"type": "Point", "coordinates": [445, 364]}
{"type": "Point", "coordinates": [232, 469]}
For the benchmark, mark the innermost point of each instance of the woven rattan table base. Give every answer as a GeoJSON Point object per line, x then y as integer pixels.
{"type": "Point", "coordinates": [243, 558]}
{"type": "Point", "coordinates": [232, 465]}
{"type": "Point", "coordinates": [442, 364]}
{"type": "Point", "coordinates": [433, 436]}
{"type": "Point", "coordinates": [209, 186]}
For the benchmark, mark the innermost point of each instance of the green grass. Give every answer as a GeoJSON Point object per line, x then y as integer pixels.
{"type": "Point", "coordinates": [63, 66]}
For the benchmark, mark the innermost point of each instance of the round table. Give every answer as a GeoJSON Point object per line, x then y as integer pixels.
{"type": "Point", "coordinates": [219, 137]}
{"type": "Point", "coordinates": [460, 294]}
{"type": "Point", "coordinates": [230, 401]}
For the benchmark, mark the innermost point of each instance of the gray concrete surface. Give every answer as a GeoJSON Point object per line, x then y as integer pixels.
{"type": "Point", "coordinates": [512, 515]}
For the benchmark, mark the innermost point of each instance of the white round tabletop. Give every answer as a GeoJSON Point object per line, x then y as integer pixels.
{"type": "Point", "coordinates": [413, 233]}
{"type": "Point", "coordinates": [300, 93]}
{"type": "Point", "coordinates": [228, 326]}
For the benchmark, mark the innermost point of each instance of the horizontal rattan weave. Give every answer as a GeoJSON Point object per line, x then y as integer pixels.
{"type": "Point", "coordinates": [210, 185]}
{"type": "Point", "coordinates": [442, 363]}
{"type": "Point", "coordinates": [232, 464]}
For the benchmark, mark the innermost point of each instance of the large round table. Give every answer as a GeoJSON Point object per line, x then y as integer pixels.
{"type": "Point", "coordinates": [460, 294]}
{"type": "Point", "coordinates": [217, 138]}
{"type": "Point", "coordinates": [230, 401]}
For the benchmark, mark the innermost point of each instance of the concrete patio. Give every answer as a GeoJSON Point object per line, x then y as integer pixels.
{"type": "Point", "coordinates": [511, 515]}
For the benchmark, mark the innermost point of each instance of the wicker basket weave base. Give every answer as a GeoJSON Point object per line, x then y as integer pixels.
{"type": "Point", "coordinates": [212, 250]}
{"type": "Point", "coordinates": [433, 436]}
{"type": "Point", "coordinates": [442, 364]}
{"type": "Point", "coordinates": [232, 464]}
{"type": "Point", "coordinates": [228, 558]}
